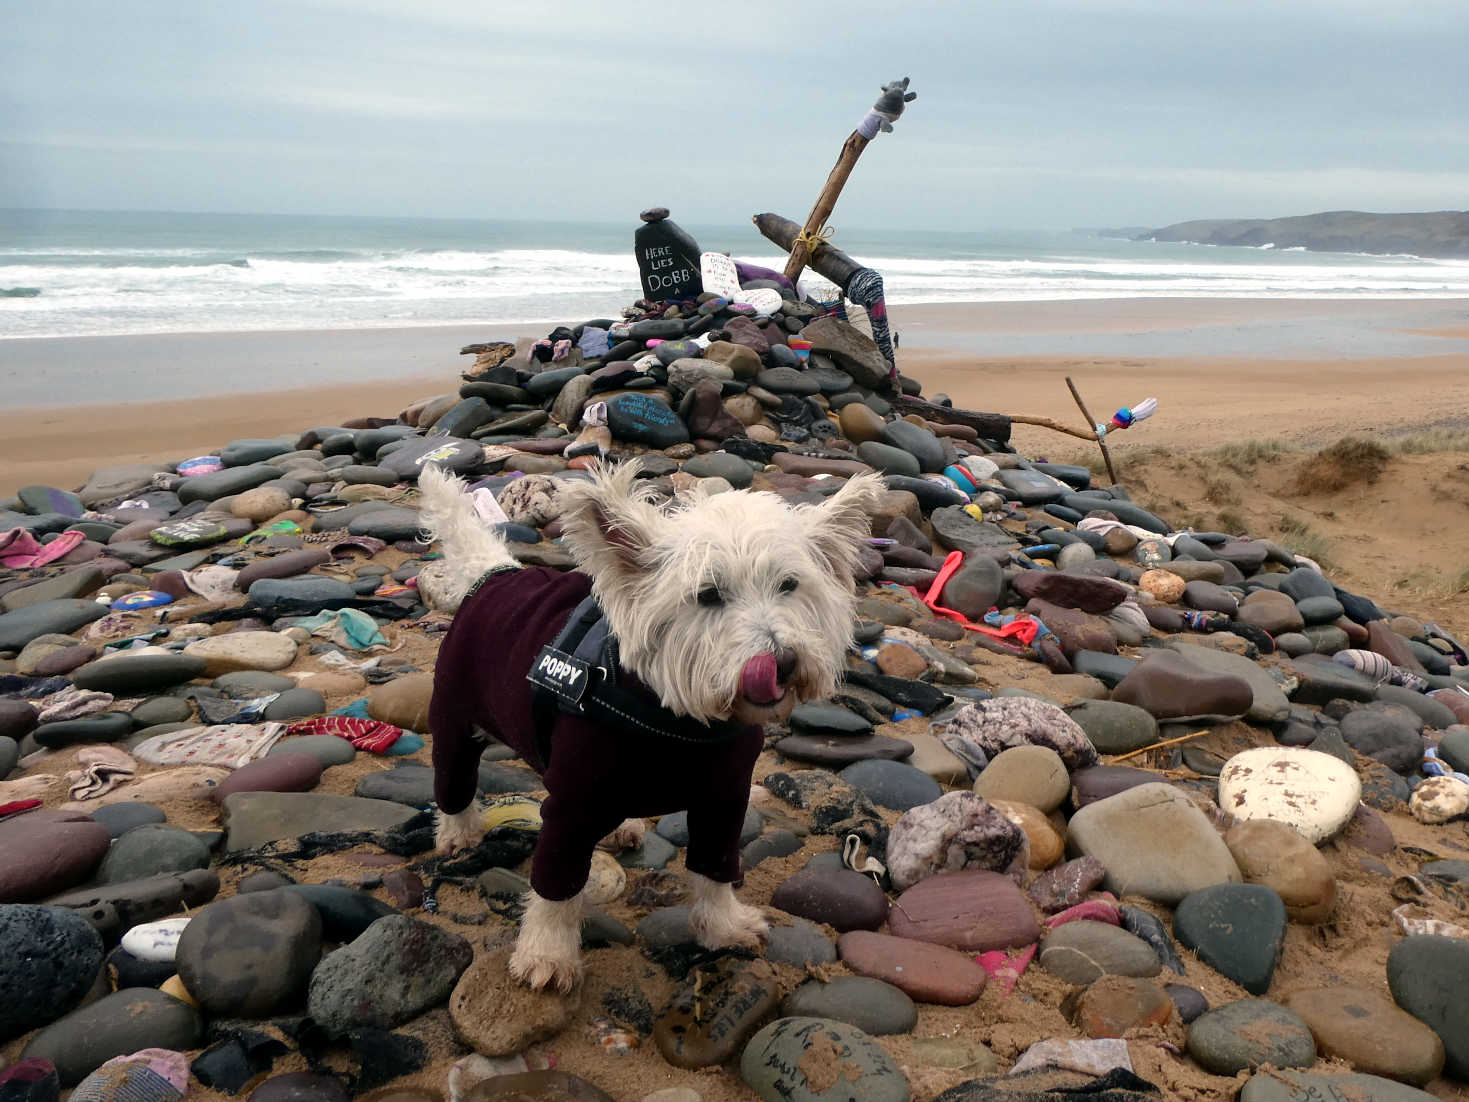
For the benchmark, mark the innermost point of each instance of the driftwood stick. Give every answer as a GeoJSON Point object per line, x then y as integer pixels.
{"type": "Point", "coordinates": [1158, 746]}
{"type": "Point", "coordinates": [1054, 426]}
{"type": "Point", "coordinates": [827, 261]}
{"type": "Point", "coordinates": [1106, 455]}
{"type": "Point", "coordinates": [884, 113]}
{"type": "Point", "coordinates": [991, 426]}
{"type": "Point", "coordinates": [851, 149]}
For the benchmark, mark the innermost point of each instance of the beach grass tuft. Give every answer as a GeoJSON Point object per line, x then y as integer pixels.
{"type": "Point", "coordinates": [1230, 522]}
{"type": "Point", "coordinates": [1243, 456]}
{"type": "Point", "coordinates": [1219, 491]}
{"type": "Point", "coordinates": [1436, 584]}
{"type": "Point", "coordinates": [1302, 539]}
{"type": "Point", "coordinates": [1348, 462]}
{"type": "Point", "coordinates": [1430, 441]}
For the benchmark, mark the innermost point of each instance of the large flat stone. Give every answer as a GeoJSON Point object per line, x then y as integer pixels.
{"type": "Point", "coordinates": [1269, 705]}
{"type": "Point", "coordinates": [254, 818]}
{"type": "Point", "coordinates": [47, 618]}
{"type": "Point", "coordinates": [232, 480]}
{"type": "Point", "coordinates": [969, 910]}
{"type": "Point", "coordinates": [1153, 842]}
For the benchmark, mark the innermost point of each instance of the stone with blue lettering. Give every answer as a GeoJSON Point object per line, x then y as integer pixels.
{"type": "Point", "coordinates": [645, 419]}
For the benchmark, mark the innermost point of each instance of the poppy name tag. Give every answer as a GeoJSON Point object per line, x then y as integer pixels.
{"type": "Point", "coordinates": [561, 673]}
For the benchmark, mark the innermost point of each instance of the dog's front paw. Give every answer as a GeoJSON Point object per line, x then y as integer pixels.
{"type": "Point", "coordinates": [462, 830]}
{"type": "Point", "coordinates": [538, 969]}
{"type": "Point", "coordinates": [729, 924]}
{"type": "Point", "coordinates": [629, 835]}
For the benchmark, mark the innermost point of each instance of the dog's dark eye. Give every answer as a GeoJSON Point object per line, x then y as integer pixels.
{"type": "Point", "coordinates": [710, 597]}
{"type": "Point", "coordinates": [788, 585]}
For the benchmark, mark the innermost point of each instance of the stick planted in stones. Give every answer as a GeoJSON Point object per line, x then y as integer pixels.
{"type": "Point", "coordinates": [1106, 455]}
{"type": "Point", "coordinates": [882, 116]}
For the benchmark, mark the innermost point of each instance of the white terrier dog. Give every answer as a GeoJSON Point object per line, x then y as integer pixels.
{"type": "Point", "coordinates": [637, 685]}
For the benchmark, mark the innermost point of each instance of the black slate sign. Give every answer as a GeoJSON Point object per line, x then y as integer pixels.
{"type": "Point", "coordinates": [668, 261]}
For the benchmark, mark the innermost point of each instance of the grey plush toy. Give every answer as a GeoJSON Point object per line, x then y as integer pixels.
{"type": "Point", "coordinates": [886, 110]}
{"type": "Point", "coordinates": [890, 104]}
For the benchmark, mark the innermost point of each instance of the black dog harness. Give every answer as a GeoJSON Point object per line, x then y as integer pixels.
{"type": "Point", "coordinates": [578, 673]}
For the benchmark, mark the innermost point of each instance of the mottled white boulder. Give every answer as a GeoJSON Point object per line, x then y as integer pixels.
{"type": "Point", "coordinates": [1007, 721]}
{"type": "Point", "coordinates": [1316, 794]}
{"type": "Point", "coordinates": [957, 831]}
{"type": "Point", "coordinates": [1439, 799]}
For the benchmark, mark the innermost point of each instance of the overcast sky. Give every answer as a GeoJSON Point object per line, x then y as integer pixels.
{"type": "Point", "coordinates": [1031, 113]}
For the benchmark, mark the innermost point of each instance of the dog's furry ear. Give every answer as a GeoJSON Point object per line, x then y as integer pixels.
{"type": "Point", "coordinates": [609, 523]}
{"type": "Point", "coordinates": [839, 525]}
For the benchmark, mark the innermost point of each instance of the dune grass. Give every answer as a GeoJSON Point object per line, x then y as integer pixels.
{"type": "Point", "coordinates": [1349, 461]}
{"type": "Point", "coordinates": [1429, 441]}
{"type": "Point", "coordinates": [1300, 538]}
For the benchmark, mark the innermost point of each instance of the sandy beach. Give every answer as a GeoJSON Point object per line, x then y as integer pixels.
{"type": "Point", "coordinates": [1379, 366]}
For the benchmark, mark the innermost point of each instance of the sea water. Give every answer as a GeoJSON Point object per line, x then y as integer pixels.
{"type": "Point", "coordinates": [76, 273]}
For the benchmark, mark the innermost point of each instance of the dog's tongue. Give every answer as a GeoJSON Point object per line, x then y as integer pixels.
{"type": "Point", "coordinates": [759, 681]}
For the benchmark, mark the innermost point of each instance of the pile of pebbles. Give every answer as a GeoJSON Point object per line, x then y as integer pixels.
{"type": "Point", "coordinates": [206, 889]}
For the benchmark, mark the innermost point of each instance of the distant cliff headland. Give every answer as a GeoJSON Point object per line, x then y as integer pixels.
{"type": "Point", "coordinates": [1443, 233]}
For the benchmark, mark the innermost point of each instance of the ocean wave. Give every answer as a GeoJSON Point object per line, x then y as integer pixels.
{"type": "Point", "coordinates": [133, 290]}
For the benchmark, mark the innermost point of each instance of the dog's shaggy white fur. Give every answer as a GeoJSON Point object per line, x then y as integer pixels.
{"type": "Point", "coordinates": [731, 606]}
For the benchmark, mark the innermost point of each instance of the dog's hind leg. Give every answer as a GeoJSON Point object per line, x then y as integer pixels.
{"type": "Point", "coordinates": [719, 920]}
{"type": "Point", "coordinates": [548, 951]}
{"type": "Point", "coordinates": [628, 835]}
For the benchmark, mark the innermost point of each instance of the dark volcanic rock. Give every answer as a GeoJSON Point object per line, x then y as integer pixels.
{"type": "Point", "coordinates": [49, 958]}
{"type": "Point", "coordinates": [395, 970]}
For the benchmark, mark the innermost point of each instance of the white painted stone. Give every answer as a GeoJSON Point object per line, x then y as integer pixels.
{"type": "Point", "coordinates": [606, 880]}
{"type": "Point", "coordinates": [719, 275]}
{"type": "Point", "coordinates": [1313, 793]}
{"type": "Point", "coordinates": [765, 300]}
{"type": "Point", "coordinates": [244, 650]}
{"type": "Point", "coordinates": [155, 941]}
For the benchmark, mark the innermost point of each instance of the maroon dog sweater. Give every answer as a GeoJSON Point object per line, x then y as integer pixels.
{"type": "Point", "coordinates": [597, 775]}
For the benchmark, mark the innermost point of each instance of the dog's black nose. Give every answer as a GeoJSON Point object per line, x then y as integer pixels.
{"type": "Point", "coordinates": [785, 663]}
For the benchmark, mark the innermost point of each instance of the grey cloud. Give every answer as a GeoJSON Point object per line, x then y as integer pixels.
{"type": "Point", "coordinates": [1030, 112]}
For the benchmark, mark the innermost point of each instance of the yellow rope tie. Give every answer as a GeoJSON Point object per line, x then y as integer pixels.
{"type": "Point", "coordinates": [813, 239]}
